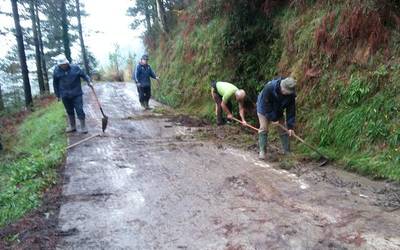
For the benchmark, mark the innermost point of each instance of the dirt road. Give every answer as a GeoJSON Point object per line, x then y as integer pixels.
{"type": "Point", "coordinates": [149, 184]}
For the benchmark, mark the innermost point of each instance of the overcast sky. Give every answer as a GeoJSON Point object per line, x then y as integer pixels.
{"type": "Point", "coordinates": [106, 25]}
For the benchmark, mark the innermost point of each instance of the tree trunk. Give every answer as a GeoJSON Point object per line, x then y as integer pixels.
{"type": "Point", "coordinates": [147, 15]}
{"type": "Point", "coordinates": [161, 15]}
{"type": "Point", "coordinates": [22, 56]}
{"type": "Point", "coordinates": [65, 36]}
{"type": "Point", "coordinates": [37, 49]}
{"type": "Point", "coordinates": [42, 57]}
{"type": "Point", "coordinates": [153, 12]}
{"type": "Point", "coordinates": [1, 100]}
{"type": "Point", "coordinates": [83, 48]}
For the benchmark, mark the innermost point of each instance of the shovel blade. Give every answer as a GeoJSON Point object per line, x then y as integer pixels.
{"type": "Point", "coordinates": [104, 123]}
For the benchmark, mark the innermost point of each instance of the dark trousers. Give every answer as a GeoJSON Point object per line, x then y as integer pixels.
{"type": "Point", "coordinates": [218, 109]}
{"type": "Point", "coordinates": [144, 93]}
{"type": "Point", "coordinates": [72, 104]}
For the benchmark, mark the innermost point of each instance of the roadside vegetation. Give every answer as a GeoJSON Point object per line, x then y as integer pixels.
{"type": "Point", "coordinates": [344, 54]}
{"type": "Point", "coordinates": [34, 149]}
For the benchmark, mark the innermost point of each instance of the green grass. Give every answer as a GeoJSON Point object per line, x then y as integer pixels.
{"type": "Point", "coordinates": [31, 166]}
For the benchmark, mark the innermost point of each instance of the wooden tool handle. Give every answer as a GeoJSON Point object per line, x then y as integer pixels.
{"type": "Point", "coordinates": [245, 124]}
{"type": "Point", "coordinates": [97, 100]}
{"type": "Point", "coordinates": [302, 141]}
{"type": "Point", "coordinates": [82, 141]}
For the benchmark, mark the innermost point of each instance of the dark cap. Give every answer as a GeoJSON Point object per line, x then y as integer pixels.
{"type": "Point", "coordinates": [145, 57]}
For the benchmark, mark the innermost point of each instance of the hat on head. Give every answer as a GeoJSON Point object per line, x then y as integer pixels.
{"type": "Point", "coordinates": [61, 59]}
{"type": "Point", "coordinates": [288, 84]}
{"type": "Point", "coordinates": [145, 57]}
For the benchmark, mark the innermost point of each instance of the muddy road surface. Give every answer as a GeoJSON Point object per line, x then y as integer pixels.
{"type": "Point", "coordinates": [150, 184]}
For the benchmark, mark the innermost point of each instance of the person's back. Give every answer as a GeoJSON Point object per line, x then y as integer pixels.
{"type": "Point", "coordinates": [226, 90]}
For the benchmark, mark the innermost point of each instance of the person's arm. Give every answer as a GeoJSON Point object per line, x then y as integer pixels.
{"type": "Point", "coordinates": [152, 74]}
{"type": "Point", "coordinates": [269, 104]}
{"type": "Point", "coordinates": [226, 110]}
{"type": "Point", "coordinates": [242, 112]}
{"type": "Point", "coordinates": [56, 85]}
{"type": "Point", "coordinates": [291, 116]}
{"type": "Point", "coordinates": [83, 75]}
{"type": "Point", "coordinates": [137, 74]}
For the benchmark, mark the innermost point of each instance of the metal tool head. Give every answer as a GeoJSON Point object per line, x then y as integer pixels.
{"type": "Point", "coordinates": [104, 123]}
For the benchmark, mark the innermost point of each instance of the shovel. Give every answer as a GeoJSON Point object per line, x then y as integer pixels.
{"type": "Point", "coordinates": [325, 159]}
{"type": "Point", "coordinates": [104, 120]}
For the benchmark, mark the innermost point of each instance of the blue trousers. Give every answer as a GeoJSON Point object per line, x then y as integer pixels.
{"type": "Point", "coordinates": [144, 93]}
{"type": "Point", "coordinates": [74, 104]}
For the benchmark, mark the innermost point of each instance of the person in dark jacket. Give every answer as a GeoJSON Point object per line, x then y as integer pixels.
{"type": "Point", "coordinates": [67, 87]}
{"type": "Point", "coordinates": [142, 75]}
{"type": "Point", "coordinates": [277, 96]}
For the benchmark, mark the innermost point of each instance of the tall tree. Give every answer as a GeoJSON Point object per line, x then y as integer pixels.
{"type": "Point", "coordinates": [141, 8]}
{"type": "Point", "coordinates": [161, 16]}
{"type": "Point", "coordinates": [83, 48]}
{"type": "Point", "coordinates": [38, 55]}
{"type": "Point", "coordinates": [1, 100]}
{"type": "Point", "coordinates": [65, 35]}
{"type": "Point", "coordinates": [21, 55]}
{"type": "Point", "coordinates": [42, 56]}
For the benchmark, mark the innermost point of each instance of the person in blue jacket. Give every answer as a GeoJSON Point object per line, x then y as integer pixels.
{"type": "Point", "coordinates": [67, 87]}
{"type": "Point", "coordinates": [142, 75]}
{"type": "Point", "coordinates": [277, 97]}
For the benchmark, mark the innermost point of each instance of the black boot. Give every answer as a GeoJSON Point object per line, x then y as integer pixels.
{"type": "Point", "coordinates": [72, 125]}
{"type": "Point", "coordinates": [83, 128]}
{"type": "Point", "coordinates": [285, 143]}
{"type": "Point", "coordinates": [262, 143]}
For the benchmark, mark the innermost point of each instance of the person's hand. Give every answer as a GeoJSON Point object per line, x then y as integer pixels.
{"type": "Point", "coordinates": [290, 132]}
{"type": "Point", "coordinates": [229, 116]}
{"type": "Point", "coordinates": [90, 84]}
{"type": "Point", "coordinates": [244, 122]}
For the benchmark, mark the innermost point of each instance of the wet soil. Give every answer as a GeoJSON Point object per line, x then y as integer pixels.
{"type": "Point", "coordinates": [157, 181]}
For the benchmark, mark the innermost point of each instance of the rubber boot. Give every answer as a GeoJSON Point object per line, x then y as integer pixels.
{"type": "Point", "coordinates": [285, 143]}
{"type": "Point", "coordinates": [72, 125]}
{"type": "Point", "coordinates": [262, 142]}
{"type": "Point", "coordinates": [83, 129]}
{"type": "Point", "coordinates": [146, 105]}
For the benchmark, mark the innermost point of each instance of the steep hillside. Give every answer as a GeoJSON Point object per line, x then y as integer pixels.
{"type": "Point", "coordinates": [345, 55]}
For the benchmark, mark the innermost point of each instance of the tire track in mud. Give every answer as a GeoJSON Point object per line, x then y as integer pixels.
{"type": "Point", "coordinates": [148, 184]}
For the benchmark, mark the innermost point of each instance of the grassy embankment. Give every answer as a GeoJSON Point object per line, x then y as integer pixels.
{"type": "Point", "coordinates": [345, 55]}
{"type": "Point", "coordinates": [29, 166]}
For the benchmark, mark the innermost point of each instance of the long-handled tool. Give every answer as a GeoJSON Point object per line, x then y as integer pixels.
{"type": "Point", "coordinates": [104, 120]}
{"type": "Point", "coordinates": [325, 159]}
{"type": "Point", "coordinates": [82, 141]}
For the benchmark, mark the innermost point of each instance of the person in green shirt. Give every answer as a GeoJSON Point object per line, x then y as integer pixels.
{"type": "Point", "coordinates": [223, 93]}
